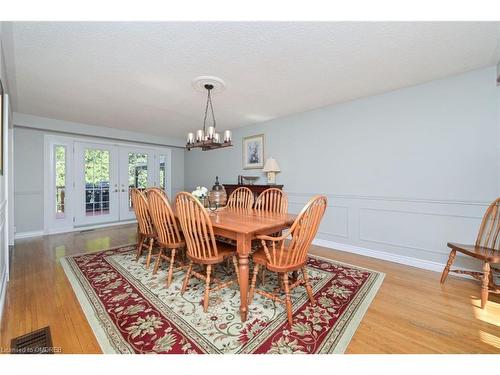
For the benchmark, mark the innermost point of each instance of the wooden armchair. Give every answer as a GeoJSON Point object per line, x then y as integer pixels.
{"type": "Point", "coordinates": [242, 197]}
{"type": "Point", "coordinates": [486, 249]}
{"type": "Point", "coordinates": [146, 234]}
{"type": "Point", "coordinates": [283, 257]}
{"type": "Point", "coordinates": [201, 246]}
{"type": "Point", "coordinates": [168, 236]}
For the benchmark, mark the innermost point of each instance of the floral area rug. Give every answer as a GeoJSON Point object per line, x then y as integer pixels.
{"type": "Point", "coordinates": [132, 311]}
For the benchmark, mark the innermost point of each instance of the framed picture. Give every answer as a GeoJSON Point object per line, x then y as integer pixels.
{"type": "Point", "coordinates": [1, 127]}
{"type": "Point", "coordinates": [253, 152]}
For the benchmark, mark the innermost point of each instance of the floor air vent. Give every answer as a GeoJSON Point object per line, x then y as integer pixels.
{"type": "Point", "coordinates": [36, 342]}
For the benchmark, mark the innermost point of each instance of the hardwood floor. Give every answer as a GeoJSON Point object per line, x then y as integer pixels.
{"type": "Point", "coordinates": [412, 312]}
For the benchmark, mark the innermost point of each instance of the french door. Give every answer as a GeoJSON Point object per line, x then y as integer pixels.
{"type": "Point", "coordinates": [107, 173]}
{"type": "Point", "coordinates": [141, 168]}
{"type": "Point", "coordinates": [96, 183]}
{"type": "Point", "coordinates": [137, 170]}
{"type": "Point", "coordinates": [88, 183]}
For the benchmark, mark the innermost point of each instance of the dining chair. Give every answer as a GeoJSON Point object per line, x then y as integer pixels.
{"type": "Point", "coordinates": [169, 238]}
{"type": "Point", "coordinates": [272, 200]}
{"type": "Point", "coordinates": [486, 249]}
{"type": "Point", "coordinates": [281, 256]}
{"type": "Point", "coordinates": [241, 197]}
{"type": "Point", "coordinates": [202, 249]}
{"type": "Point", "coordinates": [145, 231]}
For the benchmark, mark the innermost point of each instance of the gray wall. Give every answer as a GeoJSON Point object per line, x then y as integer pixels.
{"type": "Point", "coordinates": [28, 180]}
{"type": "Point", "coordinates": [404, 171]}
{"type": "Point", "coordinates": [29, 176]}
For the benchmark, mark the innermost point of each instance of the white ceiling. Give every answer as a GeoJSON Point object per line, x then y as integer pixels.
{"type": "Point", "coordinates": [137, 76]}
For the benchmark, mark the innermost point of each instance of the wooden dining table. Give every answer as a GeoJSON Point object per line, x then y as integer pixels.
{"type": "Point", "coordinates": [243, 226]}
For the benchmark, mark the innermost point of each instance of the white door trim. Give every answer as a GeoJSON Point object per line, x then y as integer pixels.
{"type": "Point", "coordinates": [50, 222]}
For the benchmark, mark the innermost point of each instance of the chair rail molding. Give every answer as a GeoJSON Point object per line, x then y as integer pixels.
{"type": "Point", "coordinates": [392, 198]}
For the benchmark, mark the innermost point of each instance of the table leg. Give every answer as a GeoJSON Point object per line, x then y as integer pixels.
{"type": "Point", "coordinates": [243, 248]}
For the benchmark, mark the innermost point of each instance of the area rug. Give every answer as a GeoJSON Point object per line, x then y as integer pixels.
{"type": "Point", "coordinates": [132, 311]}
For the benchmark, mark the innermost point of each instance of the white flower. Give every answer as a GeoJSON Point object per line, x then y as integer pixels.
{"type": "Point", "coordinates": [200, 191]}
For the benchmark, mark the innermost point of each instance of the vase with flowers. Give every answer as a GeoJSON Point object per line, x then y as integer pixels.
{"type": "Point", "coordinates": [201, 193]}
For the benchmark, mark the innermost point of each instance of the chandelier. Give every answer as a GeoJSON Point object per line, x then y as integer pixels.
{"type": "Point", "coordinates": [208, 139]}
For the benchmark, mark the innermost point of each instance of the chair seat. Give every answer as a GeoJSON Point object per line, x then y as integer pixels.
{"type": "Point", "coordinates": [259, 257]}
{"type": "Point", "coordinates": [176, 245]}
{"type": "Point", "coordinates": [223, 250]}
{"type": "Point", "coordinates": [478, 252]}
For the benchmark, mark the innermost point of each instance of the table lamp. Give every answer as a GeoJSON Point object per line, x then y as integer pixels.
{"type": "Point", "coordinates": [271, 167]}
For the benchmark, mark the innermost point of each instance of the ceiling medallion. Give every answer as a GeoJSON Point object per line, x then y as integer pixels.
{"type": "Point", "coordinates": [208, 139]}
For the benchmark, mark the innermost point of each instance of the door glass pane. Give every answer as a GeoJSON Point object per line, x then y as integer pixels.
{"type": "Point", "coordinates": [60, 169]}
{"type": "Point", "coordinates": [137, 173]}
{"type": "Point", "coordinates": [97, 174]}
{"type": "Point", "coordinates": [163, 175]}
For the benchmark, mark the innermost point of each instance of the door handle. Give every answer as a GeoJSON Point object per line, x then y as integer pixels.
{"type": "Point", "coordinates": [116, 191]}
{"type": "Point", "coordinates": [123, 190]}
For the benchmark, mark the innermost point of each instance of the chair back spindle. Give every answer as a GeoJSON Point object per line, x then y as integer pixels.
{"type": "Point", "coordinates": [163, 217]}
{"type": "Point", "coordinates": [272, 200]}
{"type": "Point", "coordinates": [196, 227]}
{"type": "Point", "coordinates": [242, 197]}
{"type": "Point", "coordinates": [158, 189]}
{"type": "Point", "coordinates": [488, 235]}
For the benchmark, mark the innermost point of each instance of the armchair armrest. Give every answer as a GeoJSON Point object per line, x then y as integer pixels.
{"type": "Point", "coordinates": [274, 239]}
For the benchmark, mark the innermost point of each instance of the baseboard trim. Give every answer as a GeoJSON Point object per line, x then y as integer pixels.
{"type": "Point", "coordinates": [21, 235]}
{"type": "Point", "coordinates": [382, 255]}
{"type": "Point", "coordinates": [96, 226]}
{"type": "Point", "coordinates": [3, 292]}
{"type": "Point", "coordinates": [40, 233]}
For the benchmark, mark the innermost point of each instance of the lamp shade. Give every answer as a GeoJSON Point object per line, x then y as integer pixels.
{"type": "Point", "coordinates": [271, 166]}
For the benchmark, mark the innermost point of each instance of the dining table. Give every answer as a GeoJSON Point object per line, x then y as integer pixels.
{"type": "Point", "coordinates": [244, 225]}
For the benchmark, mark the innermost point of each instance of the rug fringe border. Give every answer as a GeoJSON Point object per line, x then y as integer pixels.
{"type": "Point", "coordinates": [347, 264]}
{"type": "Point", "coordinates": [355, 321]}
{"type": "Point", "coordinates": [99, 251]}
{"type": "Point", "coordinates": [88, 310]}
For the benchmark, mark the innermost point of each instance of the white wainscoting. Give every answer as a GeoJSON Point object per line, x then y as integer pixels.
{"type": "Point", "coordinates": [4, 259]}
{"type": "Point", "coordinates": [28, 201]}
{"type": "Point", "coordinates": [402, 230]}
